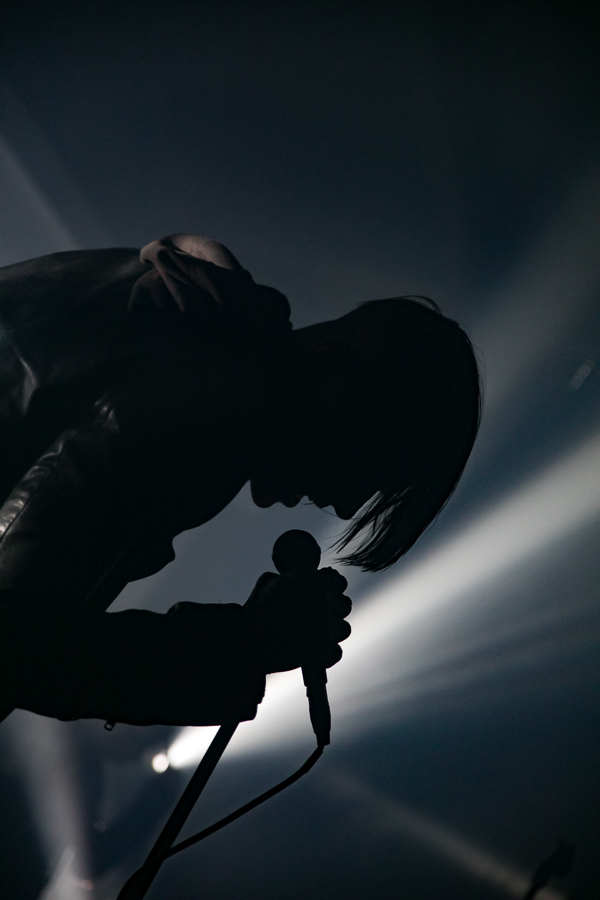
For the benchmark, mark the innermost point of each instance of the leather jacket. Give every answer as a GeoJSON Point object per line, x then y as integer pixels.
{"type": "Point", "coordinates": [121, 426]}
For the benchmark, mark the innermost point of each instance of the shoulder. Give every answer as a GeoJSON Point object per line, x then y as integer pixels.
{"type": "Point", "coordinates": [82, 266]}
{"type": "Point", "coordinates": [37, 287]}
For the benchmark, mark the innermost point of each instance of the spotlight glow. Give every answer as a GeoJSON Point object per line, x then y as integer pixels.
{"type": "Point", "coordinates": [160, 763]}
{"type": "Point", "coordinates": [41, 749]}
{"type": "Point", "coordinates": [391, 627]}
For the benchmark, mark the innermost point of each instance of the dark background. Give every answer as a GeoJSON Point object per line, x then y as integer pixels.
{"type": "Point", "coordinates": [345, 152]}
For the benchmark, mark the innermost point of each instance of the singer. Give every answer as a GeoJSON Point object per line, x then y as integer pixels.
{"type": "Point", "coordinates": [138, 394]}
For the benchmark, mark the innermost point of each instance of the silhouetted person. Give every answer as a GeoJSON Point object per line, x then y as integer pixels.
{"type": "Point", "coordinates": [138, 394]}
{"type": "Point", "coordinates": [558, 863]}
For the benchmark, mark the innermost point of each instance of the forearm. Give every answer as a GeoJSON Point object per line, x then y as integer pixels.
{"type": "Point", "coordinates": [196, 665]}
{"type": "Point", "coordinates": [64, 532]}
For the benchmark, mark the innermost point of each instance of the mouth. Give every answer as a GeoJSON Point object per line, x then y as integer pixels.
{"type": "Point", "coordinates": [265, 494]}
{"type": "Point", "coordinates": [292, 500]}
{"type": "Point", "coordinates": [261, 497]}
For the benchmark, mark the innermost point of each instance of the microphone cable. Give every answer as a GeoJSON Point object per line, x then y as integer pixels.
{"type": "Point", "coordinates": [200, 835]}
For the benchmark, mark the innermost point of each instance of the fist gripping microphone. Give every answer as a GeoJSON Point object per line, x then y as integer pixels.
{"type": "Point", "coordinates": [297, 551]}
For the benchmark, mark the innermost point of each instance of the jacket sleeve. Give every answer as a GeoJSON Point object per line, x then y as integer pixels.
{"type": "Point", "coordinates": [69, 533]}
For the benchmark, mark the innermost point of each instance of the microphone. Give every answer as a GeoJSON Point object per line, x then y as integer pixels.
{"type": "Point", "coordinates": [298, 551]}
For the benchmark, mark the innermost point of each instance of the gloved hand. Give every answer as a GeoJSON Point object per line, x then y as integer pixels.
{"type": "Point", "coordinates": [298, 617]}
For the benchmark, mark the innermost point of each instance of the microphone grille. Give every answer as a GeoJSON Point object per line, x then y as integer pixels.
{"type": "Point", "coordinates": [296, 549]}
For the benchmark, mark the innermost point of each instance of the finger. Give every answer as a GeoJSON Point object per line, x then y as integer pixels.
{"type": "Point", "coordinates": [339, 630]}
{"type": "Point", "coordinates": [340, 605]}
{"type": "Point", "coordinates": [331, 656]}
{"type": "Point", "coordinates": [332, 580]}
{"type": "Point", "coordinates": [337, 605]}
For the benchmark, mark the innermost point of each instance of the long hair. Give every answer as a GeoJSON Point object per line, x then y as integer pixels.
{"type": "Point", "coordinates": [419, 402]}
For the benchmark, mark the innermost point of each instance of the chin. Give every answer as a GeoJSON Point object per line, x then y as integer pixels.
{"type": "Point", "coordinates": [260, 500]}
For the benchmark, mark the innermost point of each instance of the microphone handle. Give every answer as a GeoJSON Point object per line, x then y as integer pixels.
{"type": "Point", "coordinates": [315, 680]}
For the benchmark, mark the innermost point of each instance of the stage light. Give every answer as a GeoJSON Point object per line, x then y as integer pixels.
{"type": "Point", "coordinates": [190, 746]}
{"type": "Point", "coordinates": [160, 762]}
{"type": "Point", "coordinates": [391, 627]}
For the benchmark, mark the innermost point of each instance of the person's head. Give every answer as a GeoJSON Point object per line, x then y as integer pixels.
{"type": "Point", "coordinates": [377, 421]}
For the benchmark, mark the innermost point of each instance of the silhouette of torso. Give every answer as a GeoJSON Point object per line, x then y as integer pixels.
{"type": "Point", "coordinates": [179, 407]}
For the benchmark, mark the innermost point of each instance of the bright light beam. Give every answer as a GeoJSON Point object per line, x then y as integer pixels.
{"type": "Point", "coordinates": [388, 626]}
{"type": "Point", "coordinates": [29, 226]}
{"type": "Point", "coordinates": [555, 282]}
{"type": "Point", "coordinates": [389, 816]}
{"type": "Point", "coordinates": [41, 750]}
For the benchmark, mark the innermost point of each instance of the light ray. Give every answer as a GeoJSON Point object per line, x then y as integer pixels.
{"type": "Point", "coordinates": [41, 750]}
{"type": "Point", "coordinates": [29, 226]}
{"type": "Point", "coordinates": [389, 816]}
{"type": "Point", "coordinates": [555, 282]}
{"type": "Point", "coordinates": [395, 627]}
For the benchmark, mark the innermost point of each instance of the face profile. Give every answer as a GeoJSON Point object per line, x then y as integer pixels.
{"type": "Point", "coordinates": [311, 450]}
{"type": "Point", "coordinates": [377, 415]}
